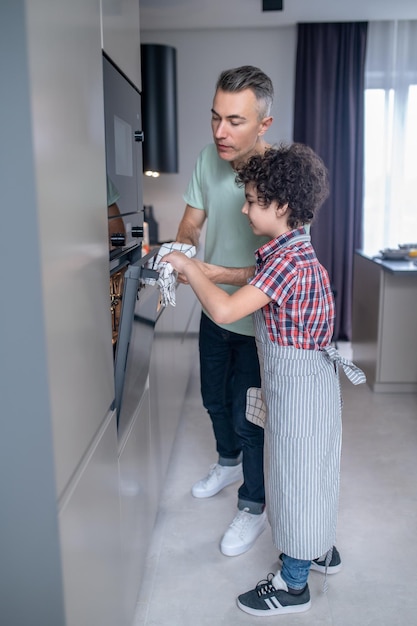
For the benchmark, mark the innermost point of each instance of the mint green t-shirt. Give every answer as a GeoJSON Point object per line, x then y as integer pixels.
{"type": "Point", "coordinates": [229, 238]}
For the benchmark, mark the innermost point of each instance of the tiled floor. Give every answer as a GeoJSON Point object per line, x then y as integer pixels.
{"type": "Point", "coordinates": [188, 582]}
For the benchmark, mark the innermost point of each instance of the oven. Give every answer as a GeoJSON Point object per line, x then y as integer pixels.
{"type": "Point", "coordinates": [134, 305]}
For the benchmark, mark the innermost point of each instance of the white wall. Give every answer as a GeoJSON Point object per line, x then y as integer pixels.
{"type": "Point", "coordinates": [201, 56]}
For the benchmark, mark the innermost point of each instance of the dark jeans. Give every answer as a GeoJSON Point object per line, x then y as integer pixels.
{"type": "Point", "coordinates": [229, 365]}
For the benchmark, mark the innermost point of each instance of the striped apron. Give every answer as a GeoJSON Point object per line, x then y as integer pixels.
{"type": "Point", "coordinates": [303, 434]}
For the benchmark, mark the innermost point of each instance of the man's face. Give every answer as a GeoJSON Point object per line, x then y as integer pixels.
{"type": "Point", "coordinates": [236, 126]}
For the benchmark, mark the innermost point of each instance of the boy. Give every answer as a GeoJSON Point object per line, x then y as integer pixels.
{"type": "Point", "coordinates": [292, 299]}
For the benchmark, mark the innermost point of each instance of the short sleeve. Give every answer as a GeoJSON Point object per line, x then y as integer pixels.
{"type": "Point", "coordinates": [194, 193]}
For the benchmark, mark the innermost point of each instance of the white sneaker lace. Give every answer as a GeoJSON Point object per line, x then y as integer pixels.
{"type": "Point", "coordinates": [213, 469]}
{"type": "Point", "coordinates": [241, 521]}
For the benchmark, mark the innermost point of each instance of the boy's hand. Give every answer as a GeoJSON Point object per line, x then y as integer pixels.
{"type": "Point", "coordinates": [177, 259]}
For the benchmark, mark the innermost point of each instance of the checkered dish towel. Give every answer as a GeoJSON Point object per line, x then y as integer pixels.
{"type": "Point", "coordinates": [167, 280]}
{"type": "Point", "coordinates": [255, 407]}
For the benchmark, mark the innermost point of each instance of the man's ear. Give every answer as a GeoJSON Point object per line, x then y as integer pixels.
{"type": "Point", "coordinates": [265, 124]}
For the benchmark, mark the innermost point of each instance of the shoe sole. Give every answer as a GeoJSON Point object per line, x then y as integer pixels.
{"type": "Point", "coordinates": [241, 549]}
{"type": "Point", "coordinates": [213, 492]}
{"type": "Point", "coordinates": [284, 610]}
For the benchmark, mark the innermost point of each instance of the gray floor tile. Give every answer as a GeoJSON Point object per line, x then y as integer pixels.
{"type": "Point", "coordinates": [188, 581]}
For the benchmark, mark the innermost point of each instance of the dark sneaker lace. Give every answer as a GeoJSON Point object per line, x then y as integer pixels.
{"type": "Point", "coordinates": [265, 586]}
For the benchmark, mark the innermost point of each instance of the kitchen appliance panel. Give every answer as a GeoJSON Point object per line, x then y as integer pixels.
{"type": "Point", "coordinates": [140, 310]}
{"type": "Point", "coordinates": [123, 133]}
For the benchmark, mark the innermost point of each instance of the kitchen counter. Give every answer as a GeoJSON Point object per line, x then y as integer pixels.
{"type": "Point", "coordinates": [407, 266]}
{"type": "Point", "coordinates": [384, 326]}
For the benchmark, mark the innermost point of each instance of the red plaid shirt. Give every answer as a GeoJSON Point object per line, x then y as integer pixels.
{"type": "Point", "coordinates": [301, 311]}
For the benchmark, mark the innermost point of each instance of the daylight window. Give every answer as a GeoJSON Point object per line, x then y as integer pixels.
{"type": "Point", "coordinates": [390, 185]}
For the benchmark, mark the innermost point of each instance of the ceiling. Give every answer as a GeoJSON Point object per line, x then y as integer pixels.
{"type": "Point", "coordinates": [203, 14]}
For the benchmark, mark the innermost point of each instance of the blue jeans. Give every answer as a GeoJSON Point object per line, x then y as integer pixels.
{"type": "Point", "coordinates": [295, 572]}
{"type": "Point", "coordinates": [229, 365]}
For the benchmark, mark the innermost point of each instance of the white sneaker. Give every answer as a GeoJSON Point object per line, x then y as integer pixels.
{"type": "Point", "coordinates": [219, 477]}
{"type": "Point", "coordinates": [243, 532]}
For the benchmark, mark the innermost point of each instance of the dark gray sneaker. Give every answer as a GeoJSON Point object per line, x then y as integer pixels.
{"type": "Point", "coordinates": [271, 597]}
{"type": "Point", "coordinates": [319, 565]}
{"type": "Point", "coordinates": [334, 566]}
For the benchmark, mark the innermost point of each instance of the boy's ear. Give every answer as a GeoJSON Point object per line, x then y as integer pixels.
{"type": "Point", "coordinates": [265, 124]}
{"type": "Point", "coordinates": [281, 209]}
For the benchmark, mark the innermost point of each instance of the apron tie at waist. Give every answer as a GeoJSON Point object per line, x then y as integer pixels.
{"type": "Point", "coordinates": [352, 371]}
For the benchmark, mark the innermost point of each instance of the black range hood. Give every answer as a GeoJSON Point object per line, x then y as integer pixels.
{"type": "Point", "coordinates": [159, 109]}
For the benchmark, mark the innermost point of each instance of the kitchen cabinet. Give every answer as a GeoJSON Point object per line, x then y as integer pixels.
{"type": "Point", "coordinates": [138, 503]}
{"type": "Point", "coordinates": [384, 337]}
{"type": "Point", "coordinates": [89, 521]}
{"type": "Point", "coordinates": [120, 36]}
{"type": "Point", "coordinates": [107, 518]}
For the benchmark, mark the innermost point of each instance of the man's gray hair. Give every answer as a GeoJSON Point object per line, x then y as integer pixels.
{"type": "Point", "coordinates": [249, 77]}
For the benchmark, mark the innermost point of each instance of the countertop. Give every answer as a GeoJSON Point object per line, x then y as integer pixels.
{"type": "Point", "coordinates": [394, 267]}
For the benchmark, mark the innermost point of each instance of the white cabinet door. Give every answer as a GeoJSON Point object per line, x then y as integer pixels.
{"type": "Point", "coordinates": [138, 503]}
{"type": "Point", "coordinates": [89, 523]}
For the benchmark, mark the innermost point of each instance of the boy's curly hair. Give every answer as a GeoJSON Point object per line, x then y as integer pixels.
{"type": "Point", "coordinates": [288, 174]}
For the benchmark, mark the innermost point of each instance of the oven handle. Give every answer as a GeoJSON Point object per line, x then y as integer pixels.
{"type": "Point", "coordinates": [145, 270]}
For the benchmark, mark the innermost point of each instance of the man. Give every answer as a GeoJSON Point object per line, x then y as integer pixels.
{"type": "Point", "coordinates": [228, 356]}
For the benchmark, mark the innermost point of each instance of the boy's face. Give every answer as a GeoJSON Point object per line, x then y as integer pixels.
{"type": "Point", "coordinates": [269, 221]}
{"type": "Point", "coordinates": [236, 126]}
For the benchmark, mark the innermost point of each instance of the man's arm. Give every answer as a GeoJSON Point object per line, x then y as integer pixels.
{"type": "Point", "coordinates": [189, 230]}
{"type": "Point", "coordinates": [237, 276]}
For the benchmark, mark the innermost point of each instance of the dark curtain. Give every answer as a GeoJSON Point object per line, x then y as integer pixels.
{"type": "Point", "coordinates": [329, 117]}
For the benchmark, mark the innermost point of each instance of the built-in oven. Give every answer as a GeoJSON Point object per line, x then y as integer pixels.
{"type": "Point", "coordinates": [141, 307]}
{"type": "Point", "coordinates": [123, 133]}
{"type": "Point", "coordinates": [133, 304]}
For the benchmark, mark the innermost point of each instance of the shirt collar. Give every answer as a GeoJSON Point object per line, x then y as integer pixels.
{"type": "Point", "coordinates": [275, 245]}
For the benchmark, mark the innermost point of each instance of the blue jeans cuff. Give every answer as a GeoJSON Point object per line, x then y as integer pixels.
{"type": "Point", "coordinates": [256, 508]}
{"type": "Point", "coordinates": [230, 462]}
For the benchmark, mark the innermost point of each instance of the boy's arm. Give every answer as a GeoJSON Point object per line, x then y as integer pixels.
{"type": "Point", "coordinates": [222, 307]}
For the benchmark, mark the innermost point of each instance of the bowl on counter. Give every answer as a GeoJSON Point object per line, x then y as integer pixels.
{"type": "Point", "coordinates": [394, 254]}
{"type": "Point", "coordinates": [407, 246]}
{"type": "Point", "coordinates": [411, 249]}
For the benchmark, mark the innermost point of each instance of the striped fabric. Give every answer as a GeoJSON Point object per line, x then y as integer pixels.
{"type": "Point", "coordinates": [303, 433]}
{"type": "Point", "coordinates": [352, 371]}
{"type": "Point", "coordinates": [301, 390]}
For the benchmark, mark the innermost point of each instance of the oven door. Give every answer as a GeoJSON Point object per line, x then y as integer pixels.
{"type": "Point", "coordinates": [140, 310]}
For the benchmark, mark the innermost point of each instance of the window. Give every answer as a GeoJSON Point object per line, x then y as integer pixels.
{"type": "Point", "coordinates": [390, 185]}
